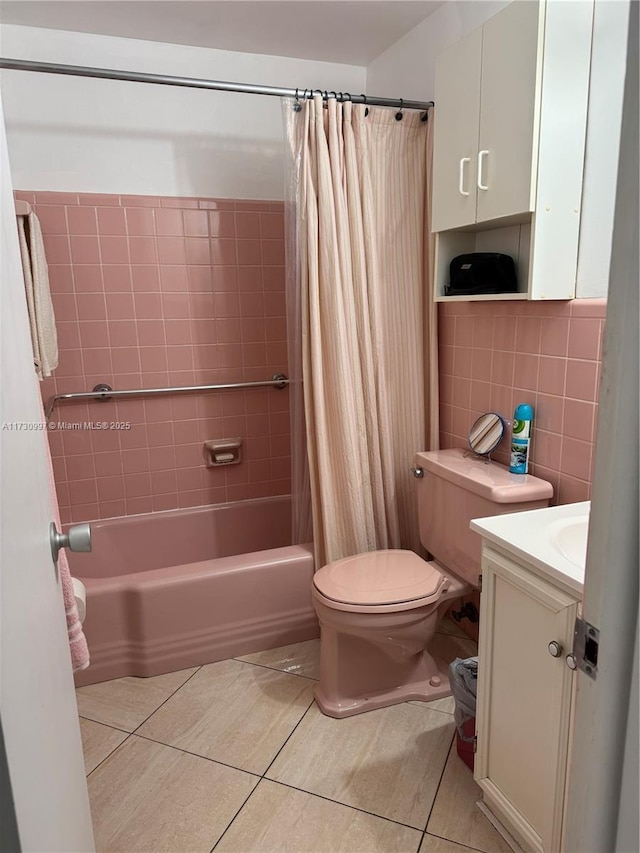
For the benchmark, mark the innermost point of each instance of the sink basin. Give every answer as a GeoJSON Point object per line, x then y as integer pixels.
{"type": "Point", "coordinates": [570, 538]}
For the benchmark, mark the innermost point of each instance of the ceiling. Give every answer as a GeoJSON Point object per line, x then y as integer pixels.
{"type": "Point", "coordinates": [332, 30]}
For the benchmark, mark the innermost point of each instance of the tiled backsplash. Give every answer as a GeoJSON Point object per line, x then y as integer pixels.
{"type": "Point", "coordinates": [152, 292]}
{"type": "Point", "coordinates": [494, 355]}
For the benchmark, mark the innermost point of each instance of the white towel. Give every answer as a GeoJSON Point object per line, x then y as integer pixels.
{"type": "Point", "coordinates": [36, 282]}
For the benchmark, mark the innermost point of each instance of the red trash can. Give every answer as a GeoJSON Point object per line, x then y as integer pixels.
{"type": "Point", "coordinates": [464, 748]}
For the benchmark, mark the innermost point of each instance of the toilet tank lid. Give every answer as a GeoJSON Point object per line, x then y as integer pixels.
{"type": "Point", "coordinates": [490, 480]}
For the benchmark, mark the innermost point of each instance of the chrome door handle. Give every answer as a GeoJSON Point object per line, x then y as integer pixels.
{"type": "Point", "coordinates": [481, 155]}
{"type": "Point", "coordinates": [461, 188]}
{"type": "Point", "coordinates": [418, 473]}
{"type": "Point", "coordinates": [77, 538]}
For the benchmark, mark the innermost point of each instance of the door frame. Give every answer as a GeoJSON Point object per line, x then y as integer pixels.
{"type": "Point", "coordinates": [602, 813]}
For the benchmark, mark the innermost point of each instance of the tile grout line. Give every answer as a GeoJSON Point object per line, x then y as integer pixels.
{"type": "Point", "coordinates": [197, 755]}
{"type": "Point", "coordinates": [228, 826]}
{"type": "Point", "coordinates": [130, 734]}
{"type": "Point", "coordinates": [100, 723]}
{"type": "Point", "coordinates": [170, 696]}
{"type": "Point", "coordinates": [444, 767]}
{"type": "Point", "coordinates": [115, 749]}
{"type": "Point", "coordinates": [459, 843]}
{"type": "Point", "coordinates": [288, 738]}
{"type": "Point", "coordinates": [274, 669]}
{"type": "Point", "coordinates": [267, 768]}
{"type": "Point", "coordinates": [414, 702]}
{"type": "Point", "coordinates": [344, 805]}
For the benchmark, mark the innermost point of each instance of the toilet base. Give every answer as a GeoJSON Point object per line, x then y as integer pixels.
{"type": "Point", "coordinates": [418, 689]}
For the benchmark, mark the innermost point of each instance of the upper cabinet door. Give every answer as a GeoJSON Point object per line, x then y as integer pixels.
{"type": "Point", "coordinates": [457, 115]}
{"type": "Point", "coordinates": [509, 114]}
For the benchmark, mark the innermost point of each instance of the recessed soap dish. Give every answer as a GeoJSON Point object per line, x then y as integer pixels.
{"type": "Point", "coordinates": [222, 451]}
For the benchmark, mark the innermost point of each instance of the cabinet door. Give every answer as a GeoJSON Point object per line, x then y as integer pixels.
{"type": "Point", "coordinates": [512, 43]}
{"type": "Point", "coordinates": [524, 700]}
{"type": "Point", "coordinates": [455, 144]}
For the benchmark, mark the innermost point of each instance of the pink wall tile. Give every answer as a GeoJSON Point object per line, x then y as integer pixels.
{"type": "Point", "coordinates": [92, 199]}
{"type": "Point", "coordinates": [143, 250]}
{"type": "Point", "coordinates": [149, 292]}
{"type": "Point", "coordinates": [85, 249]}
{"type": "Point", "coordinates": [547, 354]}
{"type": "Point", "coordinates": [145, 278]}
{"type": "Point", "coordinates": [61, 278]}
{"type": "Point", "coordinates": [53, 218]}
{"type": "Point", "coordinates": [169, 223]}
{"type": "Point", "coordinates": [171, 250]}
{"type": "Point", "coordinates": [117, 278]}
{"type": "Point", "coordinates": [578, 419]}
{"type": "Point", "coordinates": [224, 252]}
{"type": "Point", "coordinates": [57, 248]}
{"type": "Point", "coordinates": [91, 306]}
{"type": "Point", "coordinates": [584, 338]}
{"type": "Point", "coordinates": [111, 220]}
{"type": "Point", "coordinates": [555, 336]}
{"type": "Point", "coordinates": [582, 379]}
{"type": "Point", "coordinates": [273, 252]}
{"type": "Point", "coordinates": [272, 226]}
{"type": "Point", "coordinates": [113, 249]}
{"type": "Point", "coordinates": [222, 223]}
{"type": "Point", "coordinates": [551, 375]}
{"type": "Point", "coordinates": [140, 222]}
{"type": "Point", "coordinates": [197, 250]}
{"type": "Point", "coordinates": [94, 333]}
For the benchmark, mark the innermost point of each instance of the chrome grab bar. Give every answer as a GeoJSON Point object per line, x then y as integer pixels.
{"type": "Point", "coordinates": [105, 392]}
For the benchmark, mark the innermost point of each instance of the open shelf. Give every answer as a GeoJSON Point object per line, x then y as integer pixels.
{"type": "Point", "coordinates": [513, 240]}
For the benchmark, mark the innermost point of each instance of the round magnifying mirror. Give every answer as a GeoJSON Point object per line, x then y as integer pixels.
{"type": "Point", "coordinates": [486, 434]}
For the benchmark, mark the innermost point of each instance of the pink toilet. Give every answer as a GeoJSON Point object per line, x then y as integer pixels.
{"type": "Point", "coordinates": [378, 611]}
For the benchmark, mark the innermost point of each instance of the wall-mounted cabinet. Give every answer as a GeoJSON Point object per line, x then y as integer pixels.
{"type": "Point", "coordinates": [510, 129]}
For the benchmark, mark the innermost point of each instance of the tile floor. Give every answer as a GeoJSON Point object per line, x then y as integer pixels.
{"type": "Point", "coordinates": [235, 756]}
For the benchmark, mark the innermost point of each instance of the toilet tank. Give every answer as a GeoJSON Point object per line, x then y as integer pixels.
{"type": "Point", "coordinates": [455, 489]}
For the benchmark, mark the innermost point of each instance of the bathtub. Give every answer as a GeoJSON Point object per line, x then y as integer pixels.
{"type": "Point", "coordinates": [170, 590]}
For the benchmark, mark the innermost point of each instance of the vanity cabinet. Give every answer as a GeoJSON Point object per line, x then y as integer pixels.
{"type": "Point", "coordinates": [525, 696]}
{"type": "Point", "coordinates": [509, 140]}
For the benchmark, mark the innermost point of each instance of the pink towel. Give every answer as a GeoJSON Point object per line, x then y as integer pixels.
{"type": "Point", "coordinates": [77, 640]}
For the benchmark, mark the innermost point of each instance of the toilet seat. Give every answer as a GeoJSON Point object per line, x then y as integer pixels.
{"type": "Point", "coordinates": [380, 581]}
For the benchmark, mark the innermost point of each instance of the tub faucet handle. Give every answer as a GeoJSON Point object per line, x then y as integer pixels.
{"type": "Point", "coordinates": [77, 538]}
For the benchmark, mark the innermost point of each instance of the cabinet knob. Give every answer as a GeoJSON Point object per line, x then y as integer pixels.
{"type": "Point", "coordinates": [571, 662]}
{"type": "Point", "coordinates": [555, 649]}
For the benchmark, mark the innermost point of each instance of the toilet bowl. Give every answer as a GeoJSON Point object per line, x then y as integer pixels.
{"type": "Point", "coordinates": [378, 611]}
{"type": "Point", "coordinates": [374, 634]}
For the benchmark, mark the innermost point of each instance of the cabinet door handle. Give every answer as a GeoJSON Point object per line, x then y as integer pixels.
{"type": "Point", "coordinates": [461, 190]}
{"type": "Point", "coordinates": [481, 155]}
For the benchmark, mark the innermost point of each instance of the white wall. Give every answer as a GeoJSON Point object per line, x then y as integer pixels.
{"type": "Point", "coordinates": [407, 69]}
{"type": "Point", "coordinates": [84, 135]}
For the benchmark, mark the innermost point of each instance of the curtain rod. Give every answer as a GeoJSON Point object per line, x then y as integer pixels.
{"type": "Point", "coordinates": [196, 83]}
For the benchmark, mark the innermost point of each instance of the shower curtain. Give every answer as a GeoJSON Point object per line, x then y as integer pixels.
{"type": "Point", "coordinates": [362, 325]}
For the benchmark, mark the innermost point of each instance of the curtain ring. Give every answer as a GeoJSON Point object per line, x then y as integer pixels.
{"type": "Point", "coordinates": [399, 113]}
{"type": "Point", "coordinates": [366, 110]}
{"type": "Point", "coordinates": [297, 106]}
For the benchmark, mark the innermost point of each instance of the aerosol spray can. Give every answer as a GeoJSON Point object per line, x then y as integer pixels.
{"type": "Point", "coordinates": [521, 439]}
